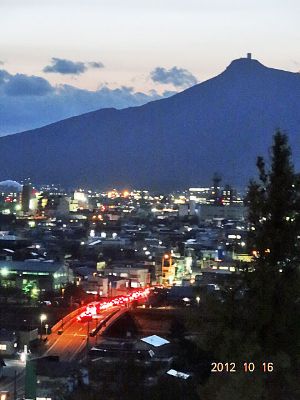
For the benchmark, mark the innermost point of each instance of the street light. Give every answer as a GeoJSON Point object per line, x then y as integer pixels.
{"type": "Point", "coordinates": [23, 357]}
{"type": "Point", "coordinates": [198, 300]}
{"type": "Point", "coordinates": [43, 318]}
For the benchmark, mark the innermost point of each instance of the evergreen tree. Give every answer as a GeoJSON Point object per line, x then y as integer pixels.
{"type": "Point", "coordinates": [274, 214]}
{"type": "Point", "coordinates": [265, 325]}
{"type": "Point", "coordinates": [273, 205]}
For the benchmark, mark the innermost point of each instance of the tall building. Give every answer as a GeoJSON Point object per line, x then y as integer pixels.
{"type": "Point", "coordinates": [26, 195]}
{"type": "Point", "coordinates": [215, 190]}
{"type": "Point", "coordinates": [228, 195]}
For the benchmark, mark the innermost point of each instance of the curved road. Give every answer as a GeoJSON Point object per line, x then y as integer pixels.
{"type": "Point", "coordinates": [69, 346]}
{"type": "Point", "coordinates": [71, 343]}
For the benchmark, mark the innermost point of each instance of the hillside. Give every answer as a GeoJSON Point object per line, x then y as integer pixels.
{"type": "Point", "coordinates": [218, 125]}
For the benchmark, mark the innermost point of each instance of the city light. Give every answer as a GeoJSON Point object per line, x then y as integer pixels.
{"type": "Point", "coordinates": [43, 318]}
{"type": "Point", "coordinates": [23, 357]}
{"type": "Point", "coordinates": [4, 271]}
{"type": "Point", "coordinates": [96, 307]}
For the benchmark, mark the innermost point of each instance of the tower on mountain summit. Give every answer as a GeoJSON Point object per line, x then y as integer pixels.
{"type": "Point", "coordinates": [249, 56]}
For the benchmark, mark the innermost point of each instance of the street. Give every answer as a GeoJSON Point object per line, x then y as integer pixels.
{"type": "Point", "coordinates": [69, 346]}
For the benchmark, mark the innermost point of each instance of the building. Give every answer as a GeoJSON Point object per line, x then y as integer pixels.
{"type": "Point", "coordinates": [57, 206]}
{"type": "Point", "coordinates": [26, 196]}
{"type": "Point", "coordinates": [137, 274]}
{"type": "Point", "coordinates": [57, 379]}
{"type": "Point", "coordinates": [118, 286]}
{"type": "Point", "coordinates": [211, 211]}
{"type": "Point", "coordinates": [8, 343]}
{"type": "Point", "coordinates": [200, 195]}
{"type": "Point", "coordinates": [187, 209]}
{"type": "Point", "coordinates": [95, 284]}
{"type": "Point", "coordinates": [12, 242]}
{"type": "Point", "coordinates": [34, 277]}
{"type": "Point", "coordinates": [168, 269]}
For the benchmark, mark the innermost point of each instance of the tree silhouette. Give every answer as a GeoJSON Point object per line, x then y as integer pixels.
{"type": "Point", "coordinates": [274, 214]}
{"type": "Point", "coordinates": [265, 324]}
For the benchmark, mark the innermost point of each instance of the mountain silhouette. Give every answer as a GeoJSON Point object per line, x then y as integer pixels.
{"type": "Point", "coordinates": [219, 125]}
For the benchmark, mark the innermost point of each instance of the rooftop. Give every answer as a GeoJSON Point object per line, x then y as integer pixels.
{"type": "Point", "coordinates": [30, 266]}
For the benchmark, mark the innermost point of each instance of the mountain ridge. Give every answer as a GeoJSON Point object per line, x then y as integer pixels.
{"type": "Point", "coordinates": [221, 124]}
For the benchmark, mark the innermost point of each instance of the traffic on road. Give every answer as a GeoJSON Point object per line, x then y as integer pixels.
{"type": "Point", "coordinates": [93, 309]}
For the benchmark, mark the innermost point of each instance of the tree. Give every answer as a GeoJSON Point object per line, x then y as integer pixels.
{"type": "Point", "coordinates": [265, 324]}
{"type": "Point", "coordinates": [274, 205]}
{"type": "Point", "coordinates": [274, 214]}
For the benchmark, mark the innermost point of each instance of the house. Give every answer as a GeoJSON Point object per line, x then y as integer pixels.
{"type": "Point", "coordinates": [56, 379]}
{"type": "Point", "coordinates": [8, 342]}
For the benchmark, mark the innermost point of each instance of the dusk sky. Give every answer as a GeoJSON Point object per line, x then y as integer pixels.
{"type": "Point", "coordinates": [134, 46]}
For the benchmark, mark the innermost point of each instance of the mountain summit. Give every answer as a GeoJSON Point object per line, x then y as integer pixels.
{"type": "Point", "coordinates": [220, 125]}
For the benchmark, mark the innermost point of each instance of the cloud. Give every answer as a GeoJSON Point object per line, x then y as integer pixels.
{"type": "Point", "coordinates": [96, 64]}
{"type": "Point", "coordinates": [36, 102]}
{"type": "Point", "coordinates": [68, 67]}
{"type": "Point", "coordinates": [4, 76]}
{"type": "Point", "coordinates": [63, 66]}
{"type": "Point", "coordinates": [178, 77]}
{"type": "Point", "coordinates": [24, 85]}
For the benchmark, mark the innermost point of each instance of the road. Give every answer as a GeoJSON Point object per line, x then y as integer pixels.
{"type": "Point", "coordinates": [70, 345]}
{"type": "Point", "coordinates": [73, 342]}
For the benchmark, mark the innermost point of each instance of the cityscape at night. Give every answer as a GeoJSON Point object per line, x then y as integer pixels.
{"type": "Point", "coordinates": [149, 200]}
